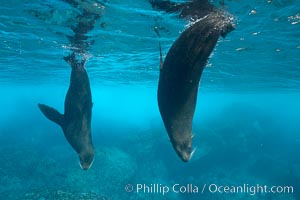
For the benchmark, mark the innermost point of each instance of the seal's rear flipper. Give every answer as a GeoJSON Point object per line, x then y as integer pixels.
{"type": "Point", "coordinates": [52, 114]}
{"type": "Point", "coordinates": [74, 62]}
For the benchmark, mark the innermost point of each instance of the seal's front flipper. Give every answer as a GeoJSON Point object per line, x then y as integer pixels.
{"type": "Point", "coordinates": [52, 114]}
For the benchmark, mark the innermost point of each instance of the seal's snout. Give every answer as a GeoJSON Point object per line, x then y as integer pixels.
{"type": "Point", "coordinates": [86, 160]}
{"type": "Point", "coordinates": [85, 166]}
{"type": "Point", "coordinates": [184, 151]}
{"type": "Point", "coordinates": [185, 157]}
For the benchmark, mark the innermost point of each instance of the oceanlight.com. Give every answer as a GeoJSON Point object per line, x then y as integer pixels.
{"type": "Point", "coordinates": [250, 189]}
{"type": "Point", "coordinates": [210, 188]}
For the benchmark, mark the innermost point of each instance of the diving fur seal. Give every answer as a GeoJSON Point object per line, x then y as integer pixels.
{"type": "Point", "coordinates": [76, 121]}
{"type": "Point", "coordinates": [180, 74]}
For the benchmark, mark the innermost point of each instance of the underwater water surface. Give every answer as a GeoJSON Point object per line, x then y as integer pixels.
{"type": "Point", "coordinates": [246, 124]}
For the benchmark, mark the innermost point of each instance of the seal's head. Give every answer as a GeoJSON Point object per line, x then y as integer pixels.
{"type": "Point", "coordinates": [183, 148]}
{"type": "Point", "coordinates": [86, 159]}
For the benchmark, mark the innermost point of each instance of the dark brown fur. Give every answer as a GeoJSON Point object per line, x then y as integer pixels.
{"type": "Point", "coordinates": [76, 121]}
{"type": "Point", "coordinates": [180, 75]}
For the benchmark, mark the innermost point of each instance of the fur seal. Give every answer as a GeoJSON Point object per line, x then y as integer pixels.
{"type": "Point", "coordinates": [76, 121]}
{"type": "Point", "coordinates": [180, 74]}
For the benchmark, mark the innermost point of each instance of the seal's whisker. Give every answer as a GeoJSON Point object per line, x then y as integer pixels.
{"type": "Point", "coordinates": [91, 163]}
{"type": "Point", "coordinates": [80, 165]}
{"type": "Point", "coordinates": [193, 152]}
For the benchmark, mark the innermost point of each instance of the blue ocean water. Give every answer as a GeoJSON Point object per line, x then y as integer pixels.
{"type": "Point", "coordinates": [246, 124]}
